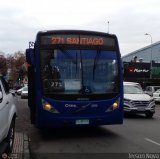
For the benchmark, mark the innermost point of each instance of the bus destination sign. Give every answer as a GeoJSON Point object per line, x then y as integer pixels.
{"type": "Point", "coordinates": [77, 40]}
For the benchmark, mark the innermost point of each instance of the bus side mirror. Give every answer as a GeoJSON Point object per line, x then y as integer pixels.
{"type": "Point", "coordinates": [30, 56]}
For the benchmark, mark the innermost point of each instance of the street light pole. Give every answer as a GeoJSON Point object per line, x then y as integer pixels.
{"type": "Point", "coordinates": [151, 55]}
{"type": "Point", "coordinates": [108, 27]}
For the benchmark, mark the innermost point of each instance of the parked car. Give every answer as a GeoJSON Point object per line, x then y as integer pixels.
{"type": "Point", "coordinates": [156, 95]}
{"type": "Point", "coordinates": [151, 89]}
{"type": "Point", "coordinates": [24, 92]}
{"type": "Point", "coordinates": [12, 91]}
{"type": "Point", "coordinates": [7, 117]}
{"type": "Point", "coordinates": [18, 92]}
{"type": "Point", "coordinates": [131, 83]}
{"type": "Point", "coordinates": [136, 101]}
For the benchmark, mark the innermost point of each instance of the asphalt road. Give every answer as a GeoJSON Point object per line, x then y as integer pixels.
{"type": "Point", "coordinates": [137, 135]}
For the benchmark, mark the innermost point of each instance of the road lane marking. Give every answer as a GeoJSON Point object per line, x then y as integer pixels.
{"type": "Point", "coordinates": [154, 142]}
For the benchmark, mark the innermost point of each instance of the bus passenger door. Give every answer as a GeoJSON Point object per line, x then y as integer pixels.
{"type": "Point", "coordinates": [31, 93]}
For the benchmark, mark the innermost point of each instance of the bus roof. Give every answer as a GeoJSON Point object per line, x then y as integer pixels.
{"type": "Point", "coordinates": [89, 32]}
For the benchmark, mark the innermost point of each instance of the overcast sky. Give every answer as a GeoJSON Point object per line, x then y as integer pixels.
{"type": "Point", "coordinates": [20, 20]}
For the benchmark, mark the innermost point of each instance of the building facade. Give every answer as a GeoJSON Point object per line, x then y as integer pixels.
{"type": "Point", "coordinates": [146, 54]}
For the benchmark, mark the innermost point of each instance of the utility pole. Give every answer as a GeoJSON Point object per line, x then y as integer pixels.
{"type": "Point", "coordinates": [151, 55]}
{"type": "Point", "coordinates": [108, 27]}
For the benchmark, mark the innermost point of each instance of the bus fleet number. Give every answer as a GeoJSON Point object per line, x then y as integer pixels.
{"type": "Point", "coordinates": [56, 84]}
{"type": "Point", "coordinates": [57, 40]}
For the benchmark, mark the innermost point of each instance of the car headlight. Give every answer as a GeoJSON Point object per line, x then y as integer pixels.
{"type": "Point", "coordinates": [152, 100]}
{"type": "Point", "coordinates": [126, 100]}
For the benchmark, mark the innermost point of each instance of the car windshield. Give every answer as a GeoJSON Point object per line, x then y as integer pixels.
{"type": "Point", "coordinates": [132, 89]}
{"type": "Point", "coordinates": [157, 91]}
{"type": "Point", "coordinates": [25, 89]}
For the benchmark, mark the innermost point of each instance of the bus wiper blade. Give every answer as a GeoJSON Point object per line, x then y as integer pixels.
{"type": "Point", "coordinates": [82, 75]}
{"type": "Point", "coordinates": [95, 62]}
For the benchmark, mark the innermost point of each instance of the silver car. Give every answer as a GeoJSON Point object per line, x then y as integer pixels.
{"type": "Point", "coordinates": [156, 95]}
{"type": "Point", "coordinates": [151, 89]}
{"type": "Point", "coordinates": [136, 101]}
{"type": "Point", "coordinates": [24, 92]}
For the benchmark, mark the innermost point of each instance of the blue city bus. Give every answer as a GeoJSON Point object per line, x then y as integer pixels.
{"type": "Point", "coordinates": [75, 78]}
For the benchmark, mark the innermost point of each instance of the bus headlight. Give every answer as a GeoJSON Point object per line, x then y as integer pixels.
{"type": "Point", "coordinates": [114, 106]}
{"type": "Point", "coordinates": [48, 107]}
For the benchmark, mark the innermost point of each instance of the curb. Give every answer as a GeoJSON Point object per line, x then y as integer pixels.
{"type": "Point", "coordinates": [20, 147]}
{"type": "Point", "coordinates": [26, 147]}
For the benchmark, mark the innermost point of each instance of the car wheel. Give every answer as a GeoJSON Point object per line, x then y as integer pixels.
{"type": "Point", "coordinates": [10, 137]}
{"type": "Point", "coordinates": [149, 115]}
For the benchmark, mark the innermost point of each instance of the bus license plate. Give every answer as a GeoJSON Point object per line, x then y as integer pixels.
{"type": "Point", "coordinates": [82, 122]}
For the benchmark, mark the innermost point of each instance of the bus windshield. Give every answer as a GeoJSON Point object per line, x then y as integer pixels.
{"type": "Point", "coordinates": [76, 71]}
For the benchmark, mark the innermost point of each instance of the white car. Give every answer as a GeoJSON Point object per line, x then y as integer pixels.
{"type": "Point", "coordinates": [151, 89]}
{"type": "Point", "coordinates": [24, 92]}
{"type": "Point", "coordinates": [156, 95]}
{"type": "Point", "coordinates": [136, 101]}
{"type": "Point", "coordinates": [7, 117]}
{"type": "Point", "coordinates": [18, 92]}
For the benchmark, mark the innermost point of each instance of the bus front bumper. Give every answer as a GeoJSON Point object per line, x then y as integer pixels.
{"type": "Point", "coordinates": [51, 121]}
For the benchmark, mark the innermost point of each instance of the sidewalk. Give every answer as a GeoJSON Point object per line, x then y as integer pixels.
{"type": "Point", "coordinates": [21, 147]}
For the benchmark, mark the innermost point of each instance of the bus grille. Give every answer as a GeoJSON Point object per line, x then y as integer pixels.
{"type": "Point", "coordinates": [140, 103]}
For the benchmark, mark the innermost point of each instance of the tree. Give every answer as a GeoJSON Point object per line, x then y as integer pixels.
{"type": "Point", "coordinates": [3, 65]}
{"type": "Point", "coordinates": [15, 63]}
